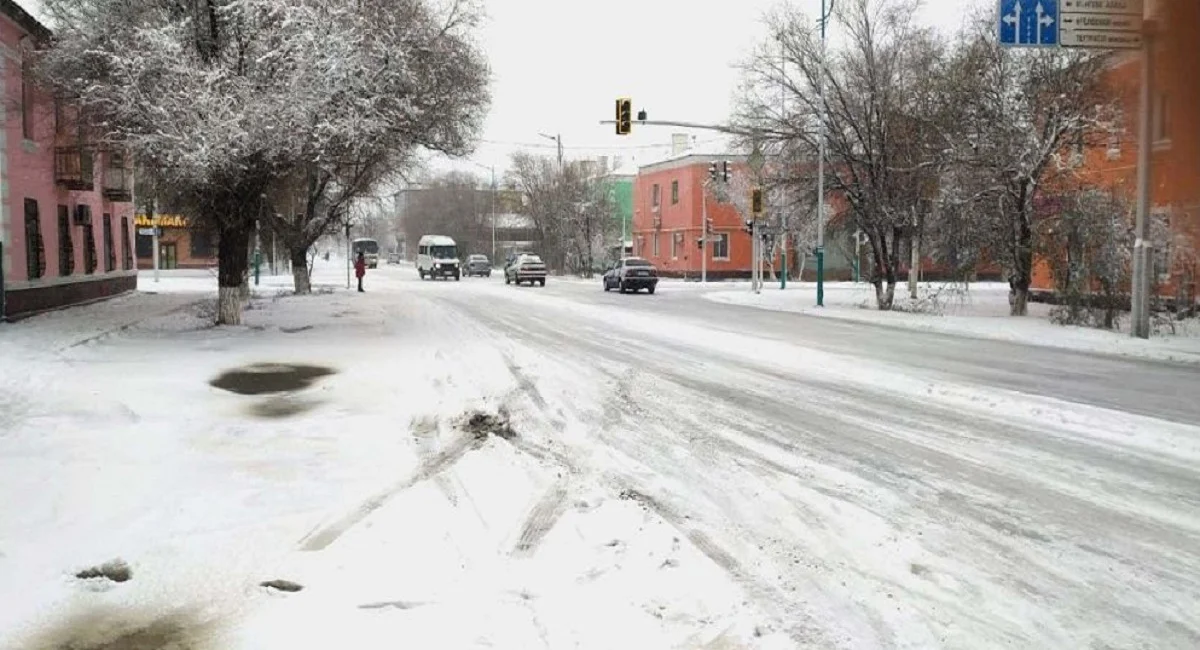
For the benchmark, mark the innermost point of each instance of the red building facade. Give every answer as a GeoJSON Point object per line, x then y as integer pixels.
{"type": "Point", "coordinates": [66, 216]}
{"type": "Point", "coordinates": [669, 203]}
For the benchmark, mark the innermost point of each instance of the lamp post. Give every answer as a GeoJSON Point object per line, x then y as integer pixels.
{"type": "Point", "coordinates": [557, 138]}
{"type": "Point", "coordinates": [825, 15]}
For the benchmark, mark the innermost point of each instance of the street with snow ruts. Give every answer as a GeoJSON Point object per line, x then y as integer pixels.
{"type": "Point", "coordinates": [469, 464]}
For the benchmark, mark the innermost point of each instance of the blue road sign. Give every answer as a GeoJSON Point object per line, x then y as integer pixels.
{"type": "Point", "coordinates": [1029, 23]}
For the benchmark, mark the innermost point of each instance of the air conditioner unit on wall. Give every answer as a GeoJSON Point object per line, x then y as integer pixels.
{"type": "Point", "coordinates": [83, 215]}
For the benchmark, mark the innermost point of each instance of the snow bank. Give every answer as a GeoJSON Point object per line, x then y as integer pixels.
{"type": "Point", "coordinates": [981, 312]}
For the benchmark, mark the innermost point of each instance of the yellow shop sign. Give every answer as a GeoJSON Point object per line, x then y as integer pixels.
{"type": "Point", "coordinates": [161, 221]}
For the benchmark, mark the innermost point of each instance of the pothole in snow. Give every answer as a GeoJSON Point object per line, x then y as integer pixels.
{"type": "Point", "coordinates": [282, 585]}
{"type": "Point", "coordinates": [115, 570]}
{"type": "Point", "coordinates": [481, 425]}
{"type": "Point", "coordinates": [268, 378]}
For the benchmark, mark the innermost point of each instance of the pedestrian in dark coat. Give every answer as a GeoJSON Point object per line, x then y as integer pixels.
{"type": "Point", "coordinates": [360, 269]}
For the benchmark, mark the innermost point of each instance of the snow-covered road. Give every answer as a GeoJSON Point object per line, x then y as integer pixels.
{"type": "Point", "coordinates": [683, 474]}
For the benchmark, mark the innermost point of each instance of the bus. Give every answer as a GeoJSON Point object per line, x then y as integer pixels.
{"type": "Point", "coordinates": [369, 248]}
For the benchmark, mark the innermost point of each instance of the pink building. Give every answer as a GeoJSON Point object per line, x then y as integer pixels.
{"type": "Point", "coordinates": [66, 217]}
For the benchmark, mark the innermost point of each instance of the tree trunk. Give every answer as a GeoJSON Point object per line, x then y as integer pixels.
{"type": "Point", "coordinates": [300, 276]}
{"type": "Point", "coordinates": [232, 262]}
{"type": "Point", "coordinates": [885, 295]}
{"type": "Point", "coordinates": [1022, 267]}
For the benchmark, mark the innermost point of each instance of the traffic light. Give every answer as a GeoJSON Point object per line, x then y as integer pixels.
{"type": "Point", "coordinates": [624, 116]}
{"type": "Point", "coordinates": [756, 201]}
{"type": "Point", "coordinates": [712, 171]}
{"type": "Point", "coordinates": [725, 171]}
{"type": "Point", "coordinates": [708, 226]}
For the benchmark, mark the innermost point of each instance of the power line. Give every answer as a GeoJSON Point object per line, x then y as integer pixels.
{"type": "Point", "coordinates": [539, 145]}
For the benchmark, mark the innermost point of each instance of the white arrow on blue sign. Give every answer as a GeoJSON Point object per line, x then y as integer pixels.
{"type": "Point", "coordinates": [1029, 23]}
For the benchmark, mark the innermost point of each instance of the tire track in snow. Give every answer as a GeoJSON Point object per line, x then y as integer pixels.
{"type": "Point", "coordinates": [541, 519]}
{"type": "Point", "coordinates": [323, 536]}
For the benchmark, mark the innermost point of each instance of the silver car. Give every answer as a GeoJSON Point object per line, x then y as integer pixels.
{"type": "Point", "coordinates": [525, 268]}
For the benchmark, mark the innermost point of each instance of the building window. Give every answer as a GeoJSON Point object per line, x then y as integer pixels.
{"type": "Point", "coordinates": [110, 253]}
{"type": "Point", "coordinates": [674, 192]}
{"type": "Point", "coordinates": [654, 195]}
{"type": "Point", "coordinates": [66, 243]}
{"type": "Point", "coordinates": [655, 241]}
{"type": "Point", "coordinates": [126, 251]}
{"type": "Point", "coordinates": [1162, 118]}
{"type": "Point", "coordinates": [89, 246]}
{"type": "Point", "coordinates": [721, 246]}
{"type": "Point", "coordinates": [35, 250]}
{"type": "Point", "coordinates": [145, 246]}
{"type": "Point", "coordinates": [674, 245]}
{"type": "Point", "coordinates": [1114, 144]}
{"type": "Point", "coordinates": [26, 101]}
{"type": "Point", "coordinates": [202, 244]}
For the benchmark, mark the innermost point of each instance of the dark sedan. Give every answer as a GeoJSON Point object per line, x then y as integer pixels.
{"type": "Point", "coordinates": [477, 265]}
{"type": "Point", "coordinates": [631, 274]}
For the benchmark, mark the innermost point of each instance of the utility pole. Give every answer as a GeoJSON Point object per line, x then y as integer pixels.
{"type": "Point", "coordinates": [557, 138]}
{"type": "Point", "coordinates": [349, 255]}
{"type": "Point", "coordinates": [493, 168]}
{"type": "Point", "coordinates": [703, 233]}
{"type": "Point", "coordinates": [154, 235]}
{"type": "Point", "coordinates": [783, 220]}
{"type": "Point", "coordinates": [825, 15]}
{"type": "Point", "coordinates": [915, 257]}
{"type": "Point", "coordinates": [1143, 248]}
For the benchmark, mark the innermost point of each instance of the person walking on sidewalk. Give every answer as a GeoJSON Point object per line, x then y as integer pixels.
{"type": "Point", "coordinates": [360, 269]}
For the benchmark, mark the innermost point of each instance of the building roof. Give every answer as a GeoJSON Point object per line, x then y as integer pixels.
{"type": "Point", "coordinates": [24, 20]}
{"type": "Point", "coordinates": [514, 221]}
{"type": "Point", "coordinates": [436, 240]}
{"type": "Point", "coordinates": [690, 158]}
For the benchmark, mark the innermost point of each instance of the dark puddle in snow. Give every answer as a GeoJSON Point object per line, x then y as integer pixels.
{"type": "Point", "coordinates": [121, 629]}
{"type": "Point", "coordinates": [116, 571]}
{"type": "Point", "coordinates": [269, 378]}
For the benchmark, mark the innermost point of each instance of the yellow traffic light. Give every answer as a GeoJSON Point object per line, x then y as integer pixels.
{"type": "Point", "coordinates": [624, 116]}
{"type": "Point", "coordinates": [756, 201]}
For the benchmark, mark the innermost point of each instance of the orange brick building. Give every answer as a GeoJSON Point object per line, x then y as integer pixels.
{"type": "Point", "coordinates": [668, 204]}
{"type": "Point", "coordinates": [1175, 170]}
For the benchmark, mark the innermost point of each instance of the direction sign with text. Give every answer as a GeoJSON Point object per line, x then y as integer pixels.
{"type": "Point", "coordinates": [1105, 22]}
{"type": "Point", "coordinates": [1030, 23]}
{"type": "Point", "coordinates": [1125, 7]}
{"type": "Point", "coordinates": [1114, 40]}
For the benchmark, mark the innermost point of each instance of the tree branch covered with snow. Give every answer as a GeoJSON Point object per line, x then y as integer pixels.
{"type": "Point", "coordinates": [230, 101]}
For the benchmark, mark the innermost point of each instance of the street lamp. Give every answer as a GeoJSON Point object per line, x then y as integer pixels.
{"type": "Point", "coordinates": [491, 169]}
{"type": "Point", "coordinates": [825, 15]}
{"type": "Point", "coordinates": [558, 141]}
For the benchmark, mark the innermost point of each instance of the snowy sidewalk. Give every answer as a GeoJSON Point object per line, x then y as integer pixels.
{"type": "Point", "coordinates": [981, 312]}
{"type": "Point", "coordinates": [401, 519]}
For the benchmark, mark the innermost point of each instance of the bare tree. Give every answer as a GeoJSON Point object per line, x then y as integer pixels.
{"type": "Point", "coordinates": [1024, 120]}
{"type": "Point", "coordinates": [222, 100]}
{"type": "Point", "coordinates": [884, 149]}
{"type": "Point", "coordinates": [570, 207]}
{"type": "Point", "coordinates": [1086, 242]}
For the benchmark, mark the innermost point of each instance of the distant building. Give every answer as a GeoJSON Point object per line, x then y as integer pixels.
{"type": "Point", "coordinates": [66, 212]}
{"type": "Point", "coordinates": [181, 245]}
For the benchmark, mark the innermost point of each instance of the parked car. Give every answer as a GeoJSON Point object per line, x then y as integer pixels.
{"type": "Point", "coordinates": [477, 265]}
{"type": "Point", "coordinates": [631, 274]}
{"type": "Point", "coordinates": [393, 258]}
{"type": "Point", "coordinates": [525, 268]}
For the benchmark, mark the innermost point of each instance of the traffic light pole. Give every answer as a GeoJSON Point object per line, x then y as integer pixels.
{"type": "Point", "coordinates": [703, 234]}
{"type": "Point", "coordinates": [825, 14]}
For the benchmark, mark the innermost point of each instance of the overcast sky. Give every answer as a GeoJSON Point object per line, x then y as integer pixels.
{"type": "Point", "coordinates": [558, 66]}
